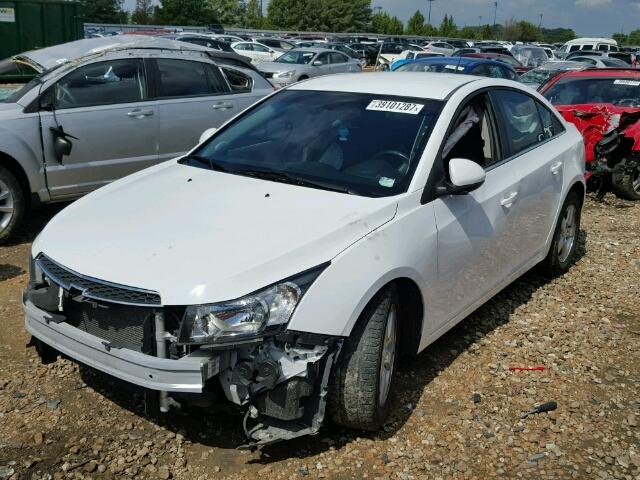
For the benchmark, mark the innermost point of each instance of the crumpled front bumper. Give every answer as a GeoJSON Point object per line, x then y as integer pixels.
{"type": "Point", "coordinates": [187, 374]}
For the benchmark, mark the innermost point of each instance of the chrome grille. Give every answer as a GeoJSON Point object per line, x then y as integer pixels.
{"type": "Point", "coordinates": [96, 289]}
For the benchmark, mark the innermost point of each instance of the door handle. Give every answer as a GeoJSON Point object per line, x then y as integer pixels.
{"type": "Point", "coordinates": [508, 200]}
{"type": "Point", "coordinates": [222, 106]}
{"type": "Point", "coordinates": [556, 168]}
{"type": "Point", "coordinates": [139, 113]}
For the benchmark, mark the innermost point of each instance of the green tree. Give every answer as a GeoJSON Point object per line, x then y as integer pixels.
{"type": "Point", "coordinates": [558, 35]}
{"type": "Point", "coordinates": [487, 32]}
{"type": "Point", "coordinates": [324, 15]}
{"type": "Point", "coordinates": [634, 38]}
{"type": "Point", "coordinates": [448, 27]}
{"type": "Point", "coordinates": [143, 13]}
{"type": "Point", "coordinates": [386, 24]}
{"type": "Point", "coordinates": [185, 12]}
{"type": "Point", "coordinates": [226, 12]}
{"type": "Point", "coordinates": [470, 33]}
{"type": "Point", "coordinates": [415, 25]}
{"type": "Point", "coordinates": [521, 31]}
{"type": "Point", "coordinates": [253, 15]}
{"type": "Point", "coordinates": [103, 11]}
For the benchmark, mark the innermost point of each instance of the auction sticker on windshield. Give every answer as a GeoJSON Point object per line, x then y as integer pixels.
{"type": "Point", "coordinates": [393, 106]}
{"type": "Point", "coordinates": [632, 83]}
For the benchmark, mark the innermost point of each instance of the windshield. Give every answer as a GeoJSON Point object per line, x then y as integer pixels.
{"type": "Point", "coordinates": [508, 60]}
{"type": "Point", "coordinates": [296, 57]}
{"type": "Point", "coordinates": [355, 143]}
{"type": "Point", "coordinates": [530, 57]}
{"type": "Point", "coordinates": [623, 92]}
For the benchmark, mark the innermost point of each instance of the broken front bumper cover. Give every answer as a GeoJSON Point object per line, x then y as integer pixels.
{"type": "Point", "coordinates": [186, 375]}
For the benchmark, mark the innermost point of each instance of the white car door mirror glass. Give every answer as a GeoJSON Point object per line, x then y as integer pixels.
{"type": "Point", "coordinates": [318, 63]}
{"type": "Point", "coordinates": [465, 175]}
{"type": "Point", "coordinates": [207, 134]}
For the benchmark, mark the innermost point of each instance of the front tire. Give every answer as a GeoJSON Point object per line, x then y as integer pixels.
{"type": "Point", "coordinates": [12, 204]}
{"type": "Point", "coordinates": [565, 238]}
{"type": "Point", "coordinates": [362, 380]}
{"type": "Point", "coordinates": [627, 185]}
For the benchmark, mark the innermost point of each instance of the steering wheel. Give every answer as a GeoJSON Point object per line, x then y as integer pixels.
{"type": "Point", "coordinates": [66, 96]}
{"type": "Point", "coordinates": [628, 102]}
{"type": "Point", "coordinates": [397, 159]}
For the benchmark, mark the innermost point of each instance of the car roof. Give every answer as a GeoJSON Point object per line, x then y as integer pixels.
{"type": "Point", "coordinates": [50, 57]}
{"type": "Point", "coordinates": [436, 86]}
{"type": "Point", "coordinates": [461, 61]}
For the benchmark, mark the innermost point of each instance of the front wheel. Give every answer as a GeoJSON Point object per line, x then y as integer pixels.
{"type": "Point", "coordinates": [363, 378]}
{"type": "Point", "coordinates": [12, 204]}
{"type": "Point", "coordinates": [627, 185]}
{"type": "Point", "coordinates": [565, 238]}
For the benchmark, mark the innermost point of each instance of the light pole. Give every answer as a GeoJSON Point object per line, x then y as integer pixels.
{"type": "Point", "coordinates": [540, 24]}
{"type": "Point", "coordinates": [495, 12]}
{"type": "Point", "coordinates": [430, 2]}
{"type": "Point", "coordinates": [479, 20]}
{"type": "Point", "coordinates": [378, 9]}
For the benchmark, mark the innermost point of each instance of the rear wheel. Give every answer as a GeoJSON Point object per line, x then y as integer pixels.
{"type": "Point", "coordinates": [565, 238]}
{"type": "Point", "coordinates": [12, 204]}
{"type": "Point", "coordinates": [627, 185]}
{"type": "Point", "coordinates": [363, 378]}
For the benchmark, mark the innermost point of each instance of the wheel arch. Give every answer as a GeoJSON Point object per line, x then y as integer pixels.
{"type": "Point", "coordinates": [412, 316]}
{"type": "Point", "coordinates": [11, 164]}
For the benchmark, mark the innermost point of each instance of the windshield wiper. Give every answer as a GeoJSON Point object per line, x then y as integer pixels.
{"type": "Point", "coordinates": [291, 179]}
{"type": "Point", "coordinates": [207, 162]}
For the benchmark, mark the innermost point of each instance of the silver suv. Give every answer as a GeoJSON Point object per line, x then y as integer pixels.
{"type": "Point", "coordinates": [106, 109]}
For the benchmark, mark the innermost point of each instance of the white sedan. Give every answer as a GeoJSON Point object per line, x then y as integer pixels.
{"type": "Point", "coordinates": [310, 241]}
{"type": "Point", "coordinates": [257, 52]}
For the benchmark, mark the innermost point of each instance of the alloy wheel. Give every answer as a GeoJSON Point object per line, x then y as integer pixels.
{"type": "Point", "coordinates": [388, 356]}
{"type": "Point", "coordinates": [7, 206]}
{"type": "Point", "coordinates": [568, 227]}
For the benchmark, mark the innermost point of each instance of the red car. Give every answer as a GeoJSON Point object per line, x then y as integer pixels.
{"type": "Point", "coordinates": [508, 59]}
{"type": "Point", "coordinates": [604, 105]}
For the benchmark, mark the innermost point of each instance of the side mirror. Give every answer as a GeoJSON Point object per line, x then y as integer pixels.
{"type": "Point", "coordinates": [317, 63]}
{"type": "Point", "coordinates": [465, 176]}
{"type": "Point", "coordinates": [207, 134]}
{"type": "Point", "coordinates": [61, 147]}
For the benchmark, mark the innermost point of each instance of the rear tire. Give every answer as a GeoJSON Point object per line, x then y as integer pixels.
{"type": "Point", "coordinates": [627, 185]}
{"type": "Point", "coordinates": [363, 378]}
{"type": "Point", "coordinates": [12, 204]}
{"type": "Point", "coordinates": [565, 238]}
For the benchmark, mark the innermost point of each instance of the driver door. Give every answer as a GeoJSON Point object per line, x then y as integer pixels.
{"type": "Point", "coordinates": [104, 104]}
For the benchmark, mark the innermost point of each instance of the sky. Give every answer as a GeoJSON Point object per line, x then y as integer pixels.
{"type": "Point", "coordinates": [586, 17]}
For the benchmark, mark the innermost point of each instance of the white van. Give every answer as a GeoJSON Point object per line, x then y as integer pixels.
{"type": "Point", "coordinates": [600, 44]}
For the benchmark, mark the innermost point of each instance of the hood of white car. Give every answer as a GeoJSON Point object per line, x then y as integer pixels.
{"type": "Point", "coordinates": [199, 236]}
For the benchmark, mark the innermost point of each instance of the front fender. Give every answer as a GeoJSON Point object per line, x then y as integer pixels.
{"type": "Point", "coordinates": [20, 140]}
{"type": "Point", "coordinates": [405, 247]}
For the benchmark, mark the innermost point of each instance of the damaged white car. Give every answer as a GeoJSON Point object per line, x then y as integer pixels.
{"type": "Point", "coordinates": [286, 262]}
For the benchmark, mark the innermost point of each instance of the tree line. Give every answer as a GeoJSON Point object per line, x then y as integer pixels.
{"type": "Point", "coordinates": [311, 15]}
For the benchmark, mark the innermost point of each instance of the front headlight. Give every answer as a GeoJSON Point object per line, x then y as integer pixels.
{"type": "Point", "coordinates": [288, 74]}
{"type": "Point", "coordinates": [260, 313]}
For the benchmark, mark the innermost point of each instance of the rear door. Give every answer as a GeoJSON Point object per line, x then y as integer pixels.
{"type": "Point", "coordinates": [192, 96]}
{"type": "Point", "coordinates": [529, 134]}
{"type": "Point", "coordinates": [106, 106]}
{"type": "Point", "coordinates": [325, 68]}
{"type": "Point", "coordinates": [340, 63]}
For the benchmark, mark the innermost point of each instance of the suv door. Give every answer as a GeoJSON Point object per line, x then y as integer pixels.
{"type": "Point", "coordinates": [475, 231]}
{"type": "Point", "coordinates": [528, 131]}
{"type": "Point", "coordinates": [105, 105]}
{"type": "Point", "coordinates": [192, 96]}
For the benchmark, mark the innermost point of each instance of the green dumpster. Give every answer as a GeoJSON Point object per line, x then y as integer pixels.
{"type": "Point", "coordinates": [29, 24]}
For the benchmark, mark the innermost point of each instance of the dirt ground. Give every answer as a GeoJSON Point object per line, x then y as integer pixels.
{"type": "Point", "coordinates": [456, 413]}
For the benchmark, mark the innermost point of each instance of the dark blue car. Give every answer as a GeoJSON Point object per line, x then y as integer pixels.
{"type": "Point", "coordinates": [465, 65]}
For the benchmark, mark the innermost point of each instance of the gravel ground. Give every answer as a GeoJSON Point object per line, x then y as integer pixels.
{"type": "Point", "coordinates": [456, 414]}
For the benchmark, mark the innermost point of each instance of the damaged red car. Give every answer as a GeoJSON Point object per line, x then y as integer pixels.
{"type": "Point", "coordinates": [604, 105]}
